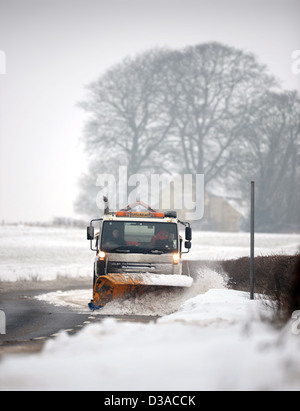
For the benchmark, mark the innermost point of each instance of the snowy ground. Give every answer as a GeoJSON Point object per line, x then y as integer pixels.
{"type": "Point", "coordinates": [220, 246]}
{"type": "Point", "coordinates": [35, 253]}
{"type": "Point", "coordinates": [215, 341]}
{"type": "Point", "coordinates": [208, 337]}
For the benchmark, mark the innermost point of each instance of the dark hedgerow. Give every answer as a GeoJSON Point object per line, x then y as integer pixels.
{"type": "Point", "coordinates": [276, 276]}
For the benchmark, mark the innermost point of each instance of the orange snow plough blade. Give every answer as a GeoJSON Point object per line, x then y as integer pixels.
{"type": "Point", "coordinates": [113, 286]}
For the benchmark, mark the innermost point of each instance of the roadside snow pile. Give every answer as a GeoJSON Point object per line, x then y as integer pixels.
{"type": "Point", "coordinates": [216, 341]}
{"type": "Point", "coordinates": [216, 307]}
{"type": "Point", "coordinates": [77, 299]}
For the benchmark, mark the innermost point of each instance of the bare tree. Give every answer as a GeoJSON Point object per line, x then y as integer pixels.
{"type": "Point", "coordinates": [215, 87]}
{"type": "Point", "coordinates": [174, 110]}
{"type": "Point", "coordinates": [128, 121]}
{"type": "Point", "coordinates": [207, 109]}
{"type": "Point", "coordinates": [271, 157]}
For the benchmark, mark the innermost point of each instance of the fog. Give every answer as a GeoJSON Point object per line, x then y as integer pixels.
{"type": "Point", "coordinates": [54, 49]}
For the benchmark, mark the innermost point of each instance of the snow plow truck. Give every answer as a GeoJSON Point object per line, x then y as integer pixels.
{"type": "Point", "coordinates": [137, 251]}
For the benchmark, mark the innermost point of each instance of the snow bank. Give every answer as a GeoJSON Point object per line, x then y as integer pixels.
{"type": "Point", "coordinates": [217, 307]}
{"type": "Point", "coordinates": [216, 341]}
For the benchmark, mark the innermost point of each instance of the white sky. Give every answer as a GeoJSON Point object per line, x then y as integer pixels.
{"type": "Point", "coordinates": [54, 48]}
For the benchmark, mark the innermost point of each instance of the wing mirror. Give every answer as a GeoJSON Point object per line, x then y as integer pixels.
{"type": "Point", "coordinates": [90, 232]}
{"type": "Point", "coordinates": [188, 234]}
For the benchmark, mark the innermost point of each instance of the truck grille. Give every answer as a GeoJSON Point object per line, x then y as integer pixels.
{"type": "Point", "coordinates": [131, 267]}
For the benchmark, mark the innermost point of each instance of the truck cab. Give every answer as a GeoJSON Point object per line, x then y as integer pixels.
{"type": "Point", "coordinates": [147, 242]}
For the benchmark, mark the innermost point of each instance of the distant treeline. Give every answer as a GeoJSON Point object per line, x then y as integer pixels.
{"type": "Point", "coordinates": [56, 222]}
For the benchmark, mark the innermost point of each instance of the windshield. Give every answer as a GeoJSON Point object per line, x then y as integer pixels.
{"type": "Point", "coordinates": [139, 237]}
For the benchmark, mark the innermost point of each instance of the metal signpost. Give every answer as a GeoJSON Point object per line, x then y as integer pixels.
{"type": "Point", "coordinates": [252, 266]}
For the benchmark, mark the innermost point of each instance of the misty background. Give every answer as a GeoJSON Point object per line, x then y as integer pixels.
{"type": "Point", "coordinates": [68, 61]}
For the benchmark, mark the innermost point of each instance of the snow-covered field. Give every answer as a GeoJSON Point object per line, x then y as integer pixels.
{"type": "Point", "coordinates": [222, 246]}
{"type": "Point", "coordinates": [35, 253]}
{"type": "Point", "coordinates": [208, 337]}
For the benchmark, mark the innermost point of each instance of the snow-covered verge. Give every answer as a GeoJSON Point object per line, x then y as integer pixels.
{"type": "Point", "coordinates": [49, 253]}
{"type": "Point", "coordinates": [215, 341]}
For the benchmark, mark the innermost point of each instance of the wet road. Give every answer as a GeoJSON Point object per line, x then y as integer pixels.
{"type": "Point", "coordinates": [30, 322]}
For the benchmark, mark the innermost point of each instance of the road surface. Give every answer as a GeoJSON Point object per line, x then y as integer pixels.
{"type": "Point", "coordinates": [30, 322]}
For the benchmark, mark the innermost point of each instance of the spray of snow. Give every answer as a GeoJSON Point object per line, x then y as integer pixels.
{"type": "Point", "coordinates": [166, 301]}
{"type": "Point", "coordinates": [154, 303]}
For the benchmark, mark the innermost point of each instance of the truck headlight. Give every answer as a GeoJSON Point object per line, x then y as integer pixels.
{"type": "Point", "coordinates": [176, 258]}
{"type": "Point", "coordinates": [101, 255]}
